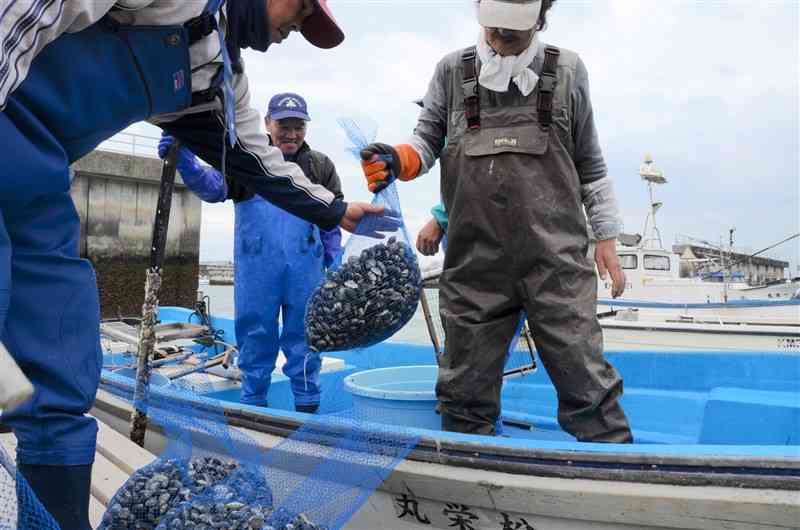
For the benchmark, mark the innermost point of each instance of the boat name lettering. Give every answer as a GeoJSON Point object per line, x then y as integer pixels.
{"type": "Point", "coordinates": [410, 506]}
{"type": "Point", "coordinates": [458, 516]}
{"type": "Point", "coordinates": [511, 524]}
{"type": "Point", "coordinates": [789, 343]}
{"type": "Point", "coordinates": [461, 516]}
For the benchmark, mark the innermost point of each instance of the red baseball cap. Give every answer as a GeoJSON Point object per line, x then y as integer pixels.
{"type": "Point", "coordinates": [320, 28]}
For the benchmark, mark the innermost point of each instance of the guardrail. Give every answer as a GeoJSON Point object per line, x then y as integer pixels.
{"type": "Point", "coordinates": [132, 144]}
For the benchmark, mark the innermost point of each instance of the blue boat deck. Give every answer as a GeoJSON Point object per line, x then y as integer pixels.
{"type": "Point", "coordinates": [698, 401]}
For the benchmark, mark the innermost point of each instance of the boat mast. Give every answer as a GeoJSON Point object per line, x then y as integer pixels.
{"type": "Point", "coordinates": [727, 265]}
{"type": "Point", "coordinates": [652, 175]}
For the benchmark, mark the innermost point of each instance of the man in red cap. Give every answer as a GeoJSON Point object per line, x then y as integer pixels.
{"type": "Point", "coordinates": [72, 74]}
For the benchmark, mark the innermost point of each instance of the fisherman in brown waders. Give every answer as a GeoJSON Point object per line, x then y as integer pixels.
{"type": "Point", "coordinates": [521, 161]}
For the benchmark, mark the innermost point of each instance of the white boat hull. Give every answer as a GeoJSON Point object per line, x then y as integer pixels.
{"type": "Point", "coordinates": [677, 336]}
{"type": "Point", "coordinates": [418, 496]}
{"type": "Point", "coordinates": [787, 315]}
{"type": "Point", "coordinates": [641, 286]}
{"type": "Point", "coordinates": [421, 495]}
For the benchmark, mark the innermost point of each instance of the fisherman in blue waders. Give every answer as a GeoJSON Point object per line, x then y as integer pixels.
{"type": "Point", "coordinates": [280, 259]}
{"type": "Point", "coordinates": [73, 73]}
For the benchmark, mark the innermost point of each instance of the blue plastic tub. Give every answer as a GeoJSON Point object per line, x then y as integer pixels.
{"type": "Point", "coordinates": [400, 395]}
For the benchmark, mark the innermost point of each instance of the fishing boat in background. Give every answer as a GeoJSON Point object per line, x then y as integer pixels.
{"type": "Point", "coordinates": [662, 310]}
{"type": "Point", "coordinates": [624, 329]}
{"type": "Point", "coordinates": [718, 436]}
{"type": "Point", "coordinates": [654, 281]}
{"type": "Point", "coordinates": [654, 287]}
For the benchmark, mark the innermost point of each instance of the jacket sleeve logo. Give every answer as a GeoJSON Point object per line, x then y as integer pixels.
{"type": "Point", "coordinates": [178, 80]}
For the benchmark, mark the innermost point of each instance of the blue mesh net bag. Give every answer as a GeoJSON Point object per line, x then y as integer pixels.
{"type": "Point", "coordinates": [19, 507]}
{"type": "Point", "coordinates": [214, 475]}
{"type": "Point", "coordinates": [328, 469]}
{"type": "Point", "coordinates": [209, 474]}
{"type": "Point", "coordinates": [376, 289]}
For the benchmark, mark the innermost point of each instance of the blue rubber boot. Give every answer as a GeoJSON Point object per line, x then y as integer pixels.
{"type": "Point", "coordinates": [63, 491]}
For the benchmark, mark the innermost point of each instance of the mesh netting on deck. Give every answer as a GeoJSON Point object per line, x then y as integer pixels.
{"type": "Point", "coordinates": [19, 507]}
{"type": "Point", "coordinates": [227, 477]}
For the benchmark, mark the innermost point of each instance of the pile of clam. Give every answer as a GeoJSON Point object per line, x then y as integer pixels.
{"type": "Point", "coordinates": [150, 492]}
{"type": "Point", "coordinates": [199, 493]}
{"type": "Point", "coordinates": [367, 300]}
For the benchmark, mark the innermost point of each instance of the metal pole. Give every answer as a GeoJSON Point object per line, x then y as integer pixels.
{"type": "Point", "coordinates": [147, 335]}
{"type": "Point", "coordinates": [525, 333]}
{"type": "Point", "coordinates": [724, 261]}
{"type": "Point", "coordinates": [426, 310]}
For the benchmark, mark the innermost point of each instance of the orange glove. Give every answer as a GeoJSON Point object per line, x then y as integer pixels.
{"type": "Point", "coordinates": [382, 164]}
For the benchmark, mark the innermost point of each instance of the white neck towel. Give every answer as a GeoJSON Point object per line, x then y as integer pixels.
{"type": "Point", "coordinates": [497, 71]}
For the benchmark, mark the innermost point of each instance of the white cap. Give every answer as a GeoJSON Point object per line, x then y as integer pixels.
{"type": "Point", "coordinates": [518, 15]}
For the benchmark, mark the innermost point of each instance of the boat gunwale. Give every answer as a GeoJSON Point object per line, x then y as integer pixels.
{"type": "Point", "coordinates": [731, 304]}
{"type": "Point", "coordinates": [776, 472]}
{"type": "Point", "coordinates": [761, 330]}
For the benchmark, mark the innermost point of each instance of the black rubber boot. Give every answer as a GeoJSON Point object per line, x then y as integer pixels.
{"type": "Point", "coordinates": [308, 409]}
{"type": "Point", "coordinates": [63, 491]}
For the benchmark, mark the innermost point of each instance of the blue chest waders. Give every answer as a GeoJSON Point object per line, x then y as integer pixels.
{"type": "Point", "coordinates": [279, 262]}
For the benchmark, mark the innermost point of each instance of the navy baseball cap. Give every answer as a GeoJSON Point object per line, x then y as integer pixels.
{"type": "Point", "coordinates": [287, 105]}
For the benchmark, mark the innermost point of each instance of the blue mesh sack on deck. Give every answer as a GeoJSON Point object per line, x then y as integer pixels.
{"type": "Point", "coordinates": [19, 507]}
{"type": "Point", "coordinates": [214, 475]}
{"type": "Point", "coordinates": [376, 289]}
{"type": "Point", "coordinates": [209, 476]}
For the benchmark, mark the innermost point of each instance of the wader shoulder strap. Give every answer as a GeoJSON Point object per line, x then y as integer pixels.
{"type": "Point", "coordinates": [229, 97]}
{"type": "Point", "coordinates": [208, 95]}
{"type": "Point", "coordinates": [472, 100]}
{"type": "Point", "coordinates": [547, 86]}
{"type": "Point", "coordinates": [201, 26]}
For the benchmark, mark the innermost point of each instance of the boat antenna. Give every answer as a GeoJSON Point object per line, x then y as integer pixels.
{"type": "Point", "coordinates": [652, 175]}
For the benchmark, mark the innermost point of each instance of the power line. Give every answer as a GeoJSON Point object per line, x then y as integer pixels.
{"type": "Point", "coordinates": [765, 249]}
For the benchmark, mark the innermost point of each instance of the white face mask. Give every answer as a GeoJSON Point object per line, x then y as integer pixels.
{"type": "Point", "coordinates": [497, 72]}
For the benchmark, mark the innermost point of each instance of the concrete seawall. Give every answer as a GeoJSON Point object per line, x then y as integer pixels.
{"type": "Point", "coordinates": [115, 195]}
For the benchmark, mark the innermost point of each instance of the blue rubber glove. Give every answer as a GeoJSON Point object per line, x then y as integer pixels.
{"type": "Point", "coordinates": [372, 225]}
{"type": "Point", "coordinates": [332, 243]}
{"type": "Point", "coordinates": [206, 182]}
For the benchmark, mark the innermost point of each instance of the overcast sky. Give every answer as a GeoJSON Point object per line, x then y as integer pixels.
{"type": "Point", "coordinates": [710, 88]}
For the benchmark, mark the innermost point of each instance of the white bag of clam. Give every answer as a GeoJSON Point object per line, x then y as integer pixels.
{"type": "Point", "coordinates": [376, 289]}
